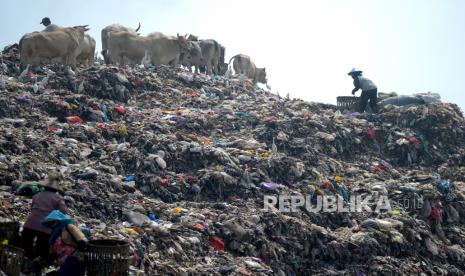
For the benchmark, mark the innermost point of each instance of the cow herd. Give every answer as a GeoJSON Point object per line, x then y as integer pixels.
{"type": "Point", "coordinates": [122, 45]}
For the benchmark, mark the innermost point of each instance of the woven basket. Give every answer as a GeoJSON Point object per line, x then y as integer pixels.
{"type": "Point", "coordinates": [11, 259]}
{"type": "Point", "coordinates": [348, 103]}
{"type": "Point", "coordinates": [9, 230]}
{"type": "Point", "coordinates": [107, 257]}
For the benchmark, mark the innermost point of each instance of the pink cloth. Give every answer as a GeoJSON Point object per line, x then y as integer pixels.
{"type": "Point", "coordinates": [42, 204]}
{"type": "Point", "coordinates": [62, 250]}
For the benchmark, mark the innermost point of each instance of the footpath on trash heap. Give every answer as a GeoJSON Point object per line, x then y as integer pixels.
{"type": "Point", "coordinates": [178, 165]}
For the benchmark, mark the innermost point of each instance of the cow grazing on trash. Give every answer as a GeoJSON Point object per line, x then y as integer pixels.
{"type": "Point", "coordinates": [124, 47]}
{"type": "Point", "coordinates": [106, 34]}
{"type": "Point", "coordinates": [243, 65]}
{"type": "Point", "coordinates": [86, 51]}
{"type": "Point", "coordinates": [158, 34]}
{"type": "Point", "coordinates": [58, 46]}
{"type": "Point", "coordinates": [211, 56]}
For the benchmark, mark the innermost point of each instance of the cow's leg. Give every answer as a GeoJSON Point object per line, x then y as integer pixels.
{"type": "Point", "coordinates": [176, 61]}
{"type": "Point", "coordinates": [120, 59]}
{"type": "Point", "coordinates": [72, 62]}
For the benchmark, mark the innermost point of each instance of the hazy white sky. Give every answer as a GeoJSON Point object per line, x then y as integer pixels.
{"type": "Point", "coordinates": [307, 47]}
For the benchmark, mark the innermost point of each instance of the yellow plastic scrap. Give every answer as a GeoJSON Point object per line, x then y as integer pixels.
{"type": "Point", "coordinates": [318, 191]}
{"type": "Point", "coordinates": [250, 152]}
{"type": "Point", "coordinates": [217, 168]}
{"type": "Point", "coordinates": [5, 242]}
{"type": "Point", "coordinates": [177, 210]}
{"type": "Point", "coordinates": [265, 154]}
{"type": "Point", "coordinates": [395, 212]}
{"type": "Point", "coordinates": [337, 178]}
{"type": "Point", "coordinates": [131, 231]}
{"type": "Point", "coordinates": [123, 130]}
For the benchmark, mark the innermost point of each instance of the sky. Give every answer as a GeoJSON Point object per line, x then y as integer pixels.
{"type": "Point", "coordinates": [306, 46]}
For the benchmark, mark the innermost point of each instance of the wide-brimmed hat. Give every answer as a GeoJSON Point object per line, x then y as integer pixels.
{"type": "Point", "coordinates": [355, 71]}
{"type": "Point", "coordinates": [45, 21]}
{"type": "Point", "coordinates": [54, 181]}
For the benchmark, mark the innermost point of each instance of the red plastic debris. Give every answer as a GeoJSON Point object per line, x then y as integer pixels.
{"type": "Point", "coordinates": [377, 169]}
{"type": "Point", "coordinates": [199, 227]}
{"type": "Point", "coordinates": [52, 129]}
{"type": "Point", "coordinates": [74, 120]}
{"type": "Point", "coordinates": [371, 133]}
{"type": "Point", "coordinates": [192, 94]}
{"type": "Point", "coordinates": [120, 109]}
{"type": "Point", "coordinates": [164, 181]}
{"type": "Point", "coordinates": [102, 126]}
{"type": "Point", "coordinates": [413, 140]}
{"type": "Point", "coordinates": [136, 82]}
{"type": "Point", "coordinates": [268, 119]}
{"type": "Point", "coordinates": [192, 178]}
{"type": "Point", "coordinates": [217, 243]}
{"type": "Point", "coordinates": [326, 184]}
{"type": "Point", "coordinates": [435, 214]}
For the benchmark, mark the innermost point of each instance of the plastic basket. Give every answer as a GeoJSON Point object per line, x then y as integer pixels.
{"type": "Point", "coordinates": [11, 259]}
{"type": "Point", "coordinates": [348, 103]}
{"type": "Point", "coordinates": [107, 257]}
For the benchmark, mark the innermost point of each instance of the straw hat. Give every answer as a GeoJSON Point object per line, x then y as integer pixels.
{"type": "Point", "coordinates": [54, 181]}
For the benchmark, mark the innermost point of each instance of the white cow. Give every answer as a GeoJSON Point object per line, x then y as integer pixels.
{"type": "Point", "coordinates": [106, 35]}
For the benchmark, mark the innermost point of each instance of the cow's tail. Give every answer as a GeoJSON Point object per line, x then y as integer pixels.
{"type": "Point", "coordinates": [21, 50]}
{"type": "Point", "coordinates": [218, 51]}
{"type": "Point", "coordinates": [230, 60]}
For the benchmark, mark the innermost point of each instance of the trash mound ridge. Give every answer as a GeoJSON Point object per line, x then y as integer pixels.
{"type": "Point", "coordinates": [179, 164]}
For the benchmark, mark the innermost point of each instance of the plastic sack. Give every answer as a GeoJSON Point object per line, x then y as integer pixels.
{"type": "Point", "coordinates": [402, 100]}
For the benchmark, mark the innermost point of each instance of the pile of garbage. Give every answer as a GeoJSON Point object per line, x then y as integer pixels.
{"type": "Point", "coordinates": [180, 164]}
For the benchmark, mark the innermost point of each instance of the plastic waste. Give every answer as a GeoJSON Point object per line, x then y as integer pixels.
{"type": "Point", "coordinates": [74, 120]}
{"type": "Point", "coordinates": [217, 243]}
{"type": "Point", "coordinates": [270, 186]}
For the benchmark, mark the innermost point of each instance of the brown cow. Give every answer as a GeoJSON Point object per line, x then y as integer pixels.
{"type": "Point", "coordinates": [243, 65]}
{"type": "Point", "coordinates": [106, 35]}
{"type": "Point", "coordinates": [124, 47]}
{"type": "Point", "coordinates": [37, 47]}
{"type": "Point", "coordinates": [86, 51]}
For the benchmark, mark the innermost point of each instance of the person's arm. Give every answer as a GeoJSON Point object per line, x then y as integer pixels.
{"type": "Point", "coordinates": [61, 205]}
{"type": "Point", "coordinates": [357, 85]}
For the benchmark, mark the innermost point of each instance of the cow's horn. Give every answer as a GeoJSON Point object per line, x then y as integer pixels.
{"type": "Point", "coordinates": [138, 27]}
